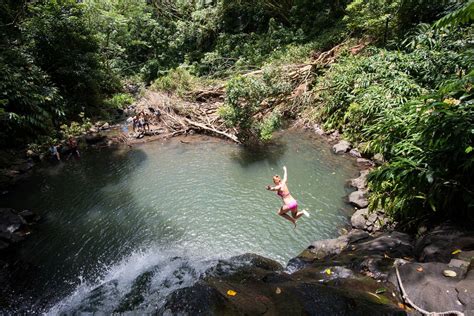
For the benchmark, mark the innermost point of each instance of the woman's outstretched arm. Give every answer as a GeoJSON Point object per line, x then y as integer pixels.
{"type": "Point", "coordinates": [284, 174]}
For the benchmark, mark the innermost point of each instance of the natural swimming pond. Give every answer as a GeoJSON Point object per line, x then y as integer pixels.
{"type": "Point", "coordinates": [171, 207]}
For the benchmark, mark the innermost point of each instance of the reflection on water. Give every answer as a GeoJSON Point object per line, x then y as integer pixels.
{"type": "Point", "coordinates": [133, 210]}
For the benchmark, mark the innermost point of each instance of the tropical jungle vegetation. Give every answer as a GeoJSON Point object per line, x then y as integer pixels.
{"type": "Point", "coordinates": [408, 94]}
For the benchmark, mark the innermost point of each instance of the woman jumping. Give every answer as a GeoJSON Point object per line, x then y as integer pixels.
{"type": "Point", "coordinates": [290, 203]}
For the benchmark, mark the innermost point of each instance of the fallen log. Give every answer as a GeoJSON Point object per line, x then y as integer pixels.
{"type": "Point", "coordinates": [212, 129]}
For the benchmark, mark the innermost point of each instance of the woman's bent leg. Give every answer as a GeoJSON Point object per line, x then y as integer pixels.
{"type": "Point", "coordinates": [283, 210]}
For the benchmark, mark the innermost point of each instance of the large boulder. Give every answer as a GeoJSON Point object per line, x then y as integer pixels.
{"type": "Point", "coordinates": [428, 288]}
{"type": "Point", "coordinates": [440, 243]}
{"type": "Point", "coordinates": [359, 218]}
{"type": "Point", "coordinates": [358, 199]}
{"type": "Point", "coordinates": [341, 147]}
{"type": "Point", "coordinates": [263, 292]}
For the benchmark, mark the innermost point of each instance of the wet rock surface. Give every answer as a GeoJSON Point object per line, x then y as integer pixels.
{"type": "Point", "coordinates": [15, 226]}
{"type": "Point", "coordinates": [253, 290]}
{"type": "Point", "coordinates": [360, 255]}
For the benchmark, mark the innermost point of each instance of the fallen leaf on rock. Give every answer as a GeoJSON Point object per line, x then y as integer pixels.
{"type": "Point", "coordinates": [328, 271]}
{"type": "Point", "coordinates": [403, 306]}
{"type": "Point", "coordinates": [231, 293]}
{"type": "Point", "coordinates": [380, 290]}
{"type": "Point", "coordinates": [449, 273]}
{"type": "Point", "coordinates": [456, 251]}
{"type": "Point", "coordinates": [419, 269]}
{"type": "Point", "coordinates": [278, 290]}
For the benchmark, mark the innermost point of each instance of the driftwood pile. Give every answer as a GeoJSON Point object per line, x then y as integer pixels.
{"type": "Point", "coordinates": [197, 112]}
{"type": "Point", "coordinates": [180, 117]}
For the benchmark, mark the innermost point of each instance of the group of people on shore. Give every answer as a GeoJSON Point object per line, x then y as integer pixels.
{"type": "Point", "coordinates": [71, 149]}
{"type": "Point", "coordinates": [141, 122]}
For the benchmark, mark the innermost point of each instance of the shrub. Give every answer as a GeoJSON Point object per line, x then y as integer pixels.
{"type": "Point", "coordinates": [430, 144]}
{"type": "Point", "coordinates": [177, 80]}
{"type": "Point", "coordinates": [119, 101]}
{"type": "Point", "coordinates": [244, 104]}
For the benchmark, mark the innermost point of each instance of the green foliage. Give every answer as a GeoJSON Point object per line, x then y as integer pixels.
{"type": "Point", "coordinates": [391, 19]}
{"type": "Point", "coordinates": [69, 56]}
{"type": "Point", "coordinates": [245, 51]}
{"type": "Point", "coordinates": [357, 90]}
{"type": "Point", "coordinates": [378, 98]}
{"type": "Point", "coordinates": [119, 101]}
{"type": "Point", "coordinates": [243, 107]}
{"type": "Point", "coordinates": [269, 125]}
{"type": "Point", "coordinates": [177, 80]}
{"type": "Point", "coordinates": [29, 104]}
{"type": "Point", "coordinates": [462, 15]}
{"type": "Point", "coordinates": [76, 128]}
{"type": "Point", "coordinates": [372, 17]}
{"type": "Point", "coordinates": [430, 144]}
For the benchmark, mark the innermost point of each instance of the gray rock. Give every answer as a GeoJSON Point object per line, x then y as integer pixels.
{"type": "Point", "coordinates": [372, 218]}
{"type": "Point", "coordinates": [394, 244]}
{"type": "Point", "coordinates": [10, 221]}
{"type": "Point", "coordinates": [326, 247]}
{"type": "Point", "coordinates": [341, 147]}
{"type": "Point", "coordinates": [378, 159]}
{"type": "Point", "coordinates": [456, 263]}
{"type": "Point", "coordinates": [361, 181]}
{"type": "Point", "coordinates": [319, 130]}
{"type": "Point", "coordinates": [334, 135]}
{"type": "Point", "coordinates": [429, 288]}
{"type": "Point", "coordinates": [359, 218]}
{"type": "Point", "coordinates": [105, 126]}
{"type": "Point", "coordinates": [355, 153]}
{"type": "Point", "coordinates": [365, 162]}
{"type": "Point", "coordinates": [465, 289]}
{"type": "Point", "coordinates": [438, 244]}
{"type": "Point", "coordinates": [358, 199]}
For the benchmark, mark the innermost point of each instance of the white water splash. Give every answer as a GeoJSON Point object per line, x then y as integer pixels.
{"type": "Point", "coordinates": [169, 270]}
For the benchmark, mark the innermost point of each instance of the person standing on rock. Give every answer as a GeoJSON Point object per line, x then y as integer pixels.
{"type": "Point", "coordinates": [54, 152]}
{"type": "Point", "coordinates": [73, 148]}
{"type": "Point", "coordinates": [290, 203]}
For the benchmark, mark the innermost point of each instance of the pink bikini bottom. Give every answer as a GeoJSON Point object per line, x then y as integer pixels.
{"type": "Point", "coordinates": [293, 204]}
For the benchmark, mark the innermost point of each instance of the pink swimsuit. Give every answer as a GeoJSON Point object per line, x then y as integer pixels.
{"type": "Point", "coordinates": [292, 205]}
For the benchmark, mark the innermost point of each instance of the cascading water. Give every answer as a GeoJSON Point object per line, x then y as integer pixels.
{"type": "Point", "coordinates": [125, 228]}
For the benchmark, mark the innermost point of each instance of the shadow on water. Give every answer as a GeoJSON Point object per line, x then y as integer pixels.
{"type": "Point", "coordinates": [72, 197]}
{"type": "Point", "coordinates": [271, 152]}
